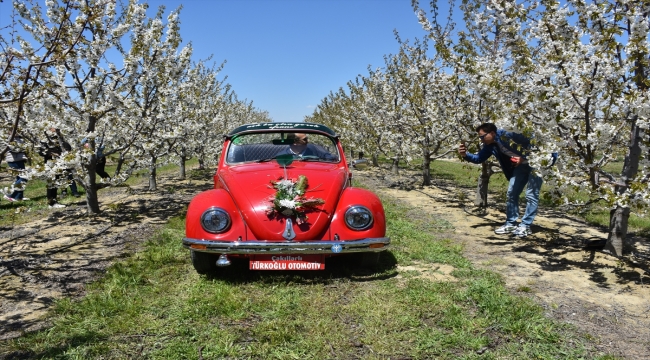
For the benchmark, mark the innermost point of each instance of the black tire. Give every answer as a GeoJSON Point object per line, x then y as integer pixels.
{"type": "Point", "coordinates": [204, 263]}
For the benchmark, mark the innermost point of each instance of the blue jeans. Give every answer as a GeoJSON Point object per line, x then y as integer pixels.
{"type": "Point", "coordinates": [522, 177]}
{"type": "Point", "coordinates": [19, 184]}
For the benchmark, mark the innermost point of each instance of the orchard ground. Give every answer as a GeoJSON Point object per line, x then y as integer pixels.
{"type": "Point", "coordinates": [606, 298]}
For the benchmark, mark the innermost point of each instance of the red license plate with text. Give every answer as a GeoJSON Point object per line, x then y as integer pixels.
{"type": "Point", "coordinates": [287, 262]}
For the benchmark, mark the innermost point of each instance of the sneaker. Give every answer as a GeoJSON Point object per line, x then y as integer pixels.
{"type": "Point", "coordinates": [522, 231]}
{"type": "Point", "coordinates": [505, 229]}
{"type": "Point", "coordinates": [76, 195]}
{"type": "Point", "coordinates": [8, 198]}
{"type": "Point", "coordinates": [24, 199]}
{"type": "Point", "coordinates": [57, 206]}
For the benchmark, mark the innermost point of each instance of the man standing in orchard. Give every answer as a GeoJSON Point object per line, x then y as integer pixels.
{"type": "Point", "coordinates": [508, 148]}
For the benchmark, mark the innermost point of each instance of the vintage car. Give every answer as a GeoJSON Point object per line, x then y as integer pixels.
{"type": "Point", "coordinates": [283, 200]}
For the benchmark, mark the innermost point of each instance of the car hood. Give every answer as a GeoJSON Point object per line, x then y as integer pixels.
{"type": "Point", "coordinates": [252, 191]}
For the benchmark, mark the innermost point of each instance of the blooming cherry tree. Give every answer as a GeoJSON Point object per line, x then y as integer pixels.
{"type": "Point", "coordinates": [109, 85]}
{"type": "Point", "coordinates": [81, 95]}
{"type": "Point", "coordinates": [575, 80]}
{"type": "Point", "coordinates": [23, 64]}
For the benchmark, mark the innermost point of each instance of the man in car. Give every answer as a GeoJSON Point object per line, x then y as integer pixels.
{"type": "Point", "coordinates": [301, 148]}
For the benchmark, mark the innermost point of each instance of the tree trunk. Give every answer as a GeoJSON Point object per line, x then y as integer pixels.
{"type": "Point", "coordinates": [375, 160]}
{"type": "Point", "coordinates": [618, 220]}
{"type": "Point", "coordinates": [120, 162]}
{"type": "Point", "coordinates": [182, 168]}
{"type": "Point", "coordinates": [201, 162]}
{"type": "Point", "coordinates": [90, 186]}
{"type": "Point", "coordinates": [426, 170]}
{"type": "Point", "coordinates": [182, 163]}
{"type": "Point", "coordinates": [426, 157]}
{"type": "Point", "coordinates": [92, 202]}
{"type": "Point", "coordinates": [152, 174]}
{"type": "Point", "coordinates": [482, 187]}
{"type": "Point", "coordinates": [618, 217]}
{"type": "Point", "coordinates": [395, 167]}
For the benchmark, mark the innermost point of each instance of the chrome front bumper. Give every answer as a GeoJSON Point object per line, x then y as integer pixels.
{"type": "Point", "coordinates": [287, 247]}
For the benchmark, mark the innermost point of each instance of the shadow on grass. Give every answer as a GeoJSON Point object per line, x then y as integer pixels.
{"type": "Point", "coordinates": [36, 255]}
{"type": "Point", "coordinates": [57, 351]}
{"type": "Point", "coordinates": [200, 174]}
{"type": "Point", "coordinates": [338, 267]}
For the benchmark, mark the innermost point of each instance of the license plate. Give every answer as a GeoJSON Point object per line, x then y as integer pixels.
{"type": "Point", "coordinates": [287, 262]}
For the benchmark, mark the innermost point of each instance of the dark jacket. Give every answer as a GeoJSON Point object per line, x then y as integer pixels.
{"type": "Point", "coordinates": [311, 150]}
{"type": "Point", "coordinates": [51, 148]}
{"type": "Point", "coordinates": [512, 142]}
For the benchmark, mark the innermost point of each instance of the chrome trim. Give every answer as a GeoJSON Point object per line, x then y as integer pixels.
{"type": "Point", "coordinates": [288, 233]}
{"type": "Point", "coordinates": [223, 261]}
{"type": "Point", "coordinates": [360, 164]}
{"type": "Point", "coordinates": [258, 247]}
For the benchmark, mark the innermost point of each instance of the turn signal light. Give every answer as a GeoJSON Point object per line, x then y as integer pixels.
{"type": "Point", "coordinates": [198, 246]}
{"type": "Point", "coordinates": [376, 246]}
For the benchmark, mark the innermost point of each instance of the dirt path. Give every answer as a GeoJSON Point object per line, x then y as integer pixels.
{"type": "Point", "coordinates": [55, 256]}
{"type": "Point", "coordinates": [607, 299]}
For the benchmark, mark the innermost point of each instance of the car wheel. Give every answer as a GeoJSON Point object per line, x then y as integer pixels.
{"type": "Point", "coordinates": [204, 263]}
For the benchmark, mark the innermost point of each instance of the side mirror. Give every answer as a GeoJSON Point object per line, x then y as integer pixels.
{"type": "Point", "coordinates": [360, 164]}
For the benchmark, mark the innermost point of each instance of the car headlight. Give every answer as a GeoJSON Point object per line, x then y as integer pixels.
{"type": "Point", "coordinates": [358, 217]}
{"type": "Point", "coordinates": [215, 220]}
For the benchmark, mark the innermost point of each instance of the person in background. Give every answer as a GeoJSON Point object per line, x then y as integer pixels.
{"type": "Point", "coordinates": [508, 148]}
{"type": "Point", "coordinates": [16, 158]}
{"type": "Point", "coordinates": [73, 186]}
{"type": "Point", "coordinates": [70, 176]}
{"type": "Point", "coordinates": [100, 167]}
{"type": "Point", "coordinates": [50, 150]}
{"type": "Point", "coordinates": [301, 147]}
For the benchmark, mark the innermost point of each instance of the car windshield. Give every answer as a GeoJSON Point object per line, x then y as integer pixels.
{"type": "Point", "coordinates": [258, 147]}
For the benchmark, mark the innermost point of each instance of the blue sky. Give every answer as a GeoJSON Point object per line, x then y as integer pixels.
{"type": "Point", "coordinates": [287, 55]}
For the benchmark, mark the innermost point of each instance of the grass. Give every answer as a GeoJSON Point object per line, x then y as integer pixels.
{"type": "Point", "coordinates": [154, 305]}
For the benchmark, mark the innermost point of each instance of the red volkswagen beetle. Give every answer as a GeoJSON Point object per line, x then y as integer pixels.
{"type": "Point", "coordinates": [283, 199]}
